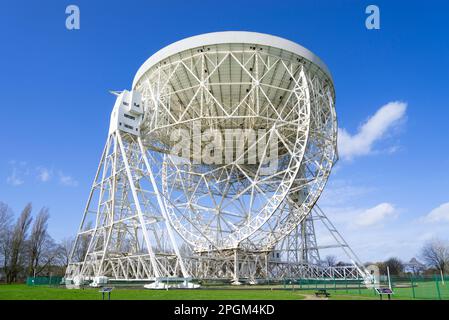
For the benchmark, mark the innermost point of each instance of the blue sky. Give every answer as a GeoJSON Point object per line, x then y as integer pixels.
{"type": "Point", "coordinates": [55, 103]}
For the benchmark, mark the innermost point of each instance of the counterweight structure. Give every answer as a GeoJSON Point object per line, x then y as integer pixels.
{"type": "Point", "coordinates": [212, 168]}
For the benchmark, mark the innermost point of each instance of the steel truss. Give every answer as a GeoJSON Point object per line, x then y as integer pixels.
{"type": "Point", "coordinates": [296, 256]}
{"type": "Point", "coordinates": [230, 218]}
{"type": "Point", "coordinates": [298, 111]}
{"type": "Point", "coordinates": [124, 234]}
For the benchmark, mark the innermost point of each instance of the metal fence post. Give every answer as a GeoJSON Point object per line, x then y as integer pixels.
{"type": "Point", "coordinates": [438, 288]}
{"type": "Point", "coordinates": [446, 281]}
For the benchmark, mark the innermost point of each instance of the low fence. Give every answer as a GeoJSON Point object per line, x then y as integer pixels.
{"type": "Point", "coordinates": [39, 281]}
{"type": "Point", "coordinates": [432, 287]}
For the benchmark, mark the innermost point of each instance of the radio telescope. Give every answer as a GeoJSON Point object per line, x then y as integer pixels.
{"type": "Point", "coordinates": [213, 166]}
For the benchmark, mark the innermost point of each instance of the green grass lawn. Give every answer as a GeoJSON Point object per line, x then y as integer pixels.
{"type": "Point", "coordinates": [424, 290]}
{"type": "Point", "coordinates": [23, 292]}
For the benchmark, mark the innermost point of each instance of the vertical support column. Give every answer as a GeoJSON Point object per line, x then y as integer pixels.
{"type": "Point", "coordinates": [139, 210]}
{"type": "Point", "coordinates": [111, 213]}
{"type": "Point", "coordinates": [266, 266]}
{"type": "Point", "coordinates": [163, 210]}
{"type": "Point", "coordinates": [111, 141]}
{"type": "Point", "coordinates": [75, 269]}
{"type": "Point", "coordinates": [236, 268]}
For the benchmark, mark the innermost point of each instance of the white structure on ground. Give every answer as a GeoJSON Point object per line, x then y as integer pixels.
{"type": "Point", "coordinates": [243, 212]}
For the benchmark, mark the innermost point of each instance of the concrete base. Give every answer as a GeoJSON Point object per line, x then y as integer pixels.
{"type": "Point", "coordinates": [99, 282]}
{"type": "Point", "coordinates": [188, 285]}
{"type": "Point", "coordinates": [78, 280]}
{"type": "Point", "coordinates": [162, 285]}
{"type": "Point", "coordinates": [156, 286]}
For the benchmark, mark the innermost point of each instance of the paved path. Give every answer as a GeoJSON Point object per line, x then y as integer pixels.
{"type": "Point", "coordinates": [314, 297]}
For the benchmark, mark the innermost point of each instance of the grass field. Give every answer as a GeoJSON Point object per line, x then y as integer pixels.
{"type": "Point", "coordinates": [22, 292]}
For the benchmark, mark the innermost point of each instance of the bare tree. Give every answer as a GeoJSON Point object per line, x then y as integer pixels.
{"type": "Point", "coordinates": [435, 253]}
{"type": "Point", "coordinates": [50, 257]}
{"type": "Point", "coordinates": [5, 234]}
{"type": "Point", "coordinates": [330, 261]}
{"type": "Point", "coordinates": [65, 248]}
{"type": "Point", "coordinates": [395, 266]}
{"type": "Point", "coordinates": [416, 267]}
{"type": "Point", "coordinates": [17, 241]}
{"type": "Point", "coordinates": [37, 254]}
{"type": "Point", "coordinates": [81, 244]}
{"type": "Point", "coordinates": [5, 217]}
{"type": "Point", "coordinates": [343, 264]}
{"type": "Point", "coordinates": [40, 245]}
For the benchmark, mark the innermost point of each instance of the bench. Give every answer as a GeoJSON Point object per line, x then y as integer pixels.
{"type": "Point", "coordinates": [106, 290]}
{"type": "Point", "coordinates": [322, 292]}
{"type": "Point", "coordinates": [384, 291]}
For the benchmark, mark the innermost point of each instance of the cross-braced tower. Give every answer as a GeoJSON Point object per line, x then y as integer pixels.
{"type": "Point", "coordinates": [308, 248]}
{"type": "Point", "coordinates": [224, 144]}
{"type": "Point", "coordinates": [124, 233]}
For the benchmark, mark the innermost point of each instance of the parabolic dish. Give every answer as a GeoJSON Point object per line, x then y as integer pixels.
{"type": "Point", "coordinates": [244, 83]}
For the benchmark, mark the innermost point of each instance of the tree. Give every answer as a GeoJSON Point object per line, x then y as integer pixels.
{"type": "Point", "coordinates": [330, 261]}
{"type": "Point", "coordinates": [415, 267]}
{"type": "Point", "coordinates": [42, 250]}
{"type": "Point", "coordinates": [435, 254]}
{"type": "Point", "coordinates": [5, 218]}
{"type": "Point", "coordinates": [343, 264]}
{"type": "Point", "coordinates": [5, 234]}
{"type": "Point", "coordinates": [82, 244]}
{"type": "Point", "coordinates": [395, 265]}
{"type": "Point", "coordinates": [37, 240]}
{"type": "Point", "coordinates": [17, 241]}
{"type": "Point", "coordinates": [65, 248]}
{"type": "Point", "coordinates": [50, 257]}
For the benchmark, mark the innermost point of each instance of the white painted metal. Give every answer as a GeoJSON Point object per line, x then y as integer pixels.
{"type": "Point", "coordinates": [154, 217]}
{"type": "Point", "coordinates": [228, 37]}
{"type": "Point", "coordinates": [128, 240]}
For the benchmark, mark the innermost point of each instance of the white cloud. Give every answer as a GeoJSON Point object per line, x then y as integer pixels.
{"type": "Point", "coordinates": [44, 174]}
{"type": "Point", "coordinates": [19, 170]}
{"type": "Point", "coordinates": [372, 130]}
{"type": "Point", "coordinates": [378, 233]}
{"type": "Point", "coordinates": [14, 179]}
{"type": "Point", "coordinates": [439, 214]}
{"type": "Point", "coordinates": [67, 180]}
{"type": "Point", "coordinates": [371, 243]}
{"type": "Point", "coordinates": [375, 215]}
{"type": "Point", "coordinates": [341, 191]}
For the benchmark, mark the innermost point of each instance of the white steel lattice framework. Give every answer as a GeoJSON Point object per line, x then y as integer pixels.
{"type": "Point", "coordinates": [230, 208]}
